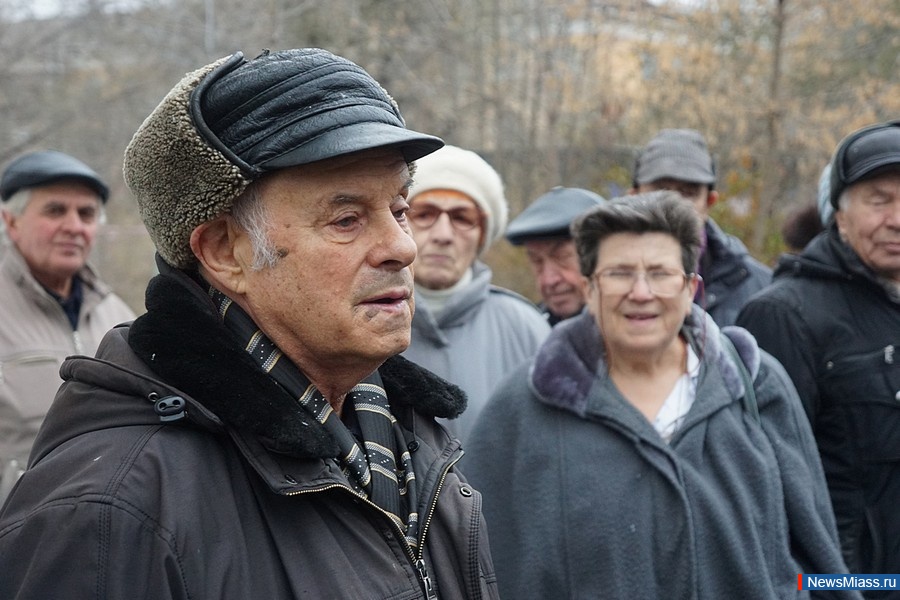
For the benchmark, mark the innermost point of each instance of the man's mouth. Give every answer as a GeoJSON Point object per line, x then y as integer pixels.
{"type": "Point", "coordinates": [389, 298]}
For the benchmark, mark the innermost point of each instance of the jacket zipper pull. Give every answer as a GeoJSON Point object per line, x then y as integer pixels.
{"type": "Point", "coordinates": [889, 354]}
{"type": "Point", "coordinates": [426, 580]}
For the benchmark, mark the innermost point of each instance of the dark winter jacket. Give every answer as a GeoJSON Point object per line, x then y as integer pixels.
{"type": "Point", "coordinates": [172, 467]}
{"type": "Point", "coordinates": [586, 500]}
{"type": "Point", "coordinates": [835, 329]}
{"type": "Point", "coordinates": [730, 275]}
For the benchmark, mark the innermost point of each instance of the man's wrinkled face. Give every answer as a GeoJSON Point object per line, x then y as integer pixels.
{"type": "Point", "coordinates": [698, 194]}
{"type": "Point", "coordinates": [869, 221]}
{"type": "Point", "coordinates": [56, 231]}
{"type": "Point", "coordinates": [554, 263]}
{"type": "Point", "coordinates": [341, 292]}
{"type": "Point", "coordinates": [448, 229]}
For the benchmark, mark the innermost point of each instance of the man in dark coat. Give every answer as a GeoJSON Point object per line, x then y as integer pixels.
{"type": "Point", "coordinates": [254, 434]}
{"type": "Point", "coordinates": [832, 318]}
{"type": "Point", "coordinates": [679, 160]}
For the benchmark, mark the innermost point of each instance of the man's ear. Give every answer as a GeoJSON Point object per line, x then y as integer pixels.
{"type": "Point", "coordinates": [217, 246]}
{"type": "Point", "coordinates": [711, 198]}
{"type": "Point", "coordinates": [9, 220]}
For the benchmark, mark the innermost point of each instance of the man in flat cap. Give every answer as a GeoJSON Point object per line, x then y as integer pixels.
{"type": "Point", "coordinates": [543, 229]}
{"type": "Point", "coordinates": [466, 329]}
{"type": "Point", "coordinates": [254, 434]}
{"type": "Point", "coordinates": [52, 303]}
{"type": "Point", "coordinates": [679, 160]}
{"type": "Point", "coordinates": [832, 318]}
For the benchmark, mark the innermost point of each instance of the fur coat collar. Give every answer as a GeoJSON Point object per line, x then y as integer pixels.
{"type": "Point", "coordinates": [182, 339]}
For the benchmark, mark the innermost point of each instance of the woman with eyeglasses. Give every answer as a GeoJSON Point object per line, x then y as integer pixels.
{"type": "Point", "coordinates": [634, 458]}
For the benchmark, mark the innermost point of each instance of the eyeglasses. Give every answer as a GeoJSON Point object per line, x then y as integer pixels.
{"type": "Point", "coordinates": [462, 219]}
{"type": "Point", "coordinates": [664, 283]}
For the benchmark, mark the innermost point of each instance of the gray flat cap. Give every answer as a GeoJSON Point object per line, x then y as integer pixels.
{"type": "Point", "coordinates": [48, 166]}
{"type": "Point", "coordinates": [550, 215]}
{"type": "Point", "coordinates": [679, 154]}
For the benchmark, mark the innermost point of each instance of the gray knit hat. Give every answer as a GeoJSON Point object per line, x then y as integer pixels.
{"type": "Point", "coordinates": [227, 124]}
{"type": "Point", "coordinates": [675, 154]}
{"type": "Point", "coordinates": [453, 168]}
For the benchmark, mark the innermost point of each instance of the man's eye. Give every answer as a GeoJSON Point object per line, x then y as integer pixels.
{"type": "Point", "coordinates": [346, 221]}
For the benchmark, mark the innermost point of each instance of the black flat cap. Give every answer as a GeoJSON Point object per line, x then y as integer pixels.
{"type": "Point", "coordinates": [48, 166]}
{"type": "Point", "coordinates": [225, 125]}
{"type": "Point", "coordinates": [551, 215]}
{"type": "Point", "coordinates": [861, 154]}
{"type": "Point", "coordinates": [297, 107]}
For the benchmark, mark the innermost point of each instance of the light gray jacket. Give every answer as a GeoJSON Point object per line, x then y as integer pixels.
{"type": "Point", "coordinates": [35, 338]}
{"type": "Point", "coordinates": [585, 500]}
{"type": "Point", "coordinates": [482, 335]}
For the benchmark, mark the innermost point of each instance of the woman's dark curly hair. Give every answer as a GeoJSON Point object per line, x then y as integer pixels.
{"type": "Point", "coordinates": [654, 212]}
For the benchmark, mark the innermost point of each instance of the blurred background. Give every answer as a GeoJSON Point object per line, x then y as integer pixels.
{"type": "Point", "coordinates": [550, 92]}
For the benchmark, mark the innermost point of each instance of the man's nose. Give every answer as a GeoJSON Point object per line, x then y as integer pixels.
{"type": "Point", "coordinates": [73, 221]}
{"type": "Point", "coordinates": [549, 273]}
{"type": "Point", "coordinates": [395, 245]}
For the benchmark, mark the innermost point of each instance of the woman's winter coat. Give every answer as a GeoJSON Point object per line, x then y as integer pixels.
{"type": "Point", "coordinates": [585, 499]}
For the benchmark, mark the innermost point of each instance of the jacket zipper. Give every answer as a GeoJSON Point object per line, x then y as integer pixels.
{"type": "Point", "coordinates": [418, 562]}
{"type": "Point", "coordinates": [76, 339]}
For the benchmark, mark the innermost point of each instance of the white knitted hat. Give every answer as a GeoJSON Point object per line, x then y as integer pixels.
{"type": "Point", "coordinates": [452, 168]}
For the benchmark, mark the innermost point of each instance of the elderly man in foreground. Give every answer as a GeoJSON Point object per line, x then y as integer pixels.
{"type": "Point", "coordinates": [253, 435]}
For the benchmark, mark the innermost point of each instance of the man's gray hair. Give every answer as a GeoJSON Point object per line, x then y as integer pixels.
{"type": "Point", "coordinates": [20, 199]}
{"type": "Point", "coordinates": [844, 199]}
{"type": "Point", "coordinates": [251, 215]}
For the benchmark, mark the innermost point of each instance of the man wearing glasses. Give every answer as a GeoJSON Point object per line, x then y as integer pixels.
{"type": "Point", "coordinates": [466, 330]}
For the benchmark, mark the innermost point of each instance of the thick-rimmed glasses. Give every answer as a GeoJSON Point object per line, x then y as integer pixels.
{"type": "Point", "coordinates": [664, 283]}
{"type": "Point", "coordinates": [463, 218]}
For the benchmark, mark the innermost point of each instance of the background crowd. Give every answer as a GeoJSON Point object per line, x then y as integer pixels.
{"type": "Point", "coordinates": [326, 342]}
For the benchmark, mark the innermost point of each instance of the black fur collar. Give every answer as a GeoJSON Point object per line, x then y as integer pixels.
{"type": "Point", "coordinates": [183, 341]}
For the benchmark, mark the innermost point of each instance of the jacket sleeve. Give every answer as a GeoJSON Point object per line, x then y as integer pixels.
{"type": "Point", "coordinates": [86, 548]}
{"type": "Point", "coordinates": [812, 529]}
{"type": "Point", "coordinates": [781, 331]}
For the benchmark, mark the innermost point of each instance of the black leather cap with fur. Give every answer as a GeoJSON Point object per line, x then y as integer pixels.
{"type": "Point", "coordinates": [227, 124]}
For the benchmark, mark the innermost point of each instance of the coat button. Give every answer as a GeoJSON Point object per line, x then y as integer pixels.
{"type": "Point", "coordinates": [897, 396]}
{"type": "Point", "coordinates": [465, 491]}
{"type": "Point", "coordinates": [290, 480]}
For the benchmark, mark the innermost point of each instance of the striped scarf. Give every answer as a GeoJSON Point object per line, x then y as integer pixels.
{"type": "Point", "coordinates": [374, 473]}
